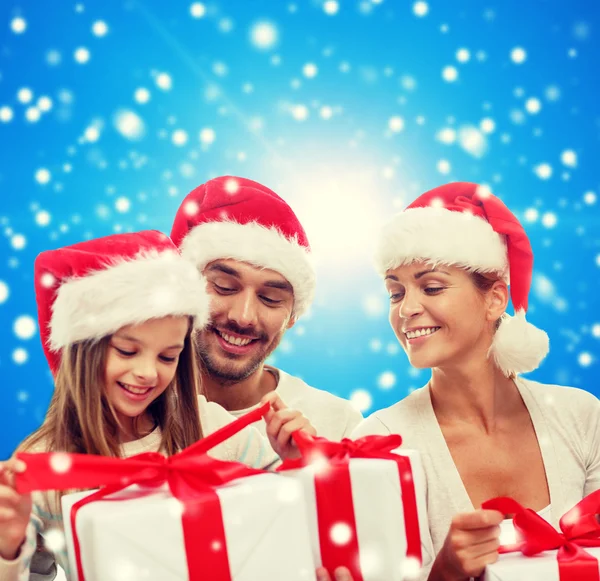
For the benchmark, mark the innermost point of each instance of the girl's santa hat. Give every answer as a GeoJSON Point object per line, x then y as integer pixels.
{"type": "Point", "coordinates": [92, 289]}
{"type": "Point", "coordinates": [230, 217]}
{"type": "Point", "coordinates": [463, 224]}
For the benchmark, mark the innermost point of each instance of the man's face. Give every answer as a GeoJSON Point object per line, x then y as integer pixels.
{"type": "Point", "coordinates": [251, 308]}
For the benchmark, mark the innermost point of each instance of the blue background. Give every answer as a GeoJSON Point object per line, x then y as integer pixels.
{"type": "Point", "coordinates": [376, 118]}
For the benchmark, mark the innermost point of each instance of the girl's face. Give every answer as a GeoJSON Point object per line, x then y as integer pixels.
{"type": "Point", "coordinates": [439, 316]}
{"type": "Point", "coordinates": [141, 362]}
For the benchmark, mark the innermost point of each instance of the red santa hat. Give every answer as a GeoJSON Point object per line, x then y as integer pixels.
{"type": "Point", "coordinates": [463, 224]}
{"type": "Point", "coordinates": [92, 289]}
{"type": "Point", "coordinates": [231, 217]}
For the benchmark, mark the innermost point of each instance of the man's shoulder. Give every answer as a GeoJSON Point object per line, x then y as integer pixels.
{"type": "Point", "coordinates": [294, 389]}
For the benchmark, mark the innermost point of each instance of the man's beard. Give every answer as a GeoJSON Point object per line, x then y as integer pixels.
{"type": "Point", "coordinates": [232, 371]}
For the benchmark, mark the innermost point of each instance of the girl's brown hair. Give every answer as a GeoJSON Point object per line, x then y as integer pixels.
{"type": "Point", "coordinates": [80, 418]}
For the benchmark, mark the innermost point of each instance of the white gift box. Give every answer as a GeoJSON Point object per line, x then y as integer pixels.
{"type": "Point", "coordinates": [379, 516]}
{"type": "Point", "coordinates": [142, 539]}
{"type": "Point", "coordinates": [542, 567]}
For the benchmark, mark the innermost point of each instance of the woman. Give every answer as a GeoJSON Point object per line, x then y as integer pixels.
{"type": "Point", "coordinates": [482, 430]}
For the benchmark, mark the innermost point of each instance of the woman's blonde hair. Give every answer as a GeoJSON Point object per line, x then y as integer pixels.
{"type": "Point", "coordinates": [80, 419]}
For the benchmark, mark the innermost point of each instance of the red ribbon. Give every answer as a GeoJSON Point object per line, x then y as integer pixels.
{"type": "Point", "coordinates": [333, 491]}
{"type": "Point", "coordinates": [191, 476]}
{"type": "Point", "coordinates": [580, 528]}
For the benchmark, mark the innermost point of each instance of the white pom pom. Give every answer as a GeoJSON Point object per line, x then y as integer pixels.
{"type": "Point", "coordinates": [519, 346]}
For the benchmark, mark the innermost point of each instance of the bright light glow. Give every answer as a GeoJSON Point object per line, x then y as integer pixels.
{"type": "Point", "coordinates": [336, 206]}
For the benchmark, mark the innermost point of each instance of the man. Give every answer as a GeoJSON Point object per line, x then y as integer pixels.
{"type": "Point", "coordinates": [254, 253]}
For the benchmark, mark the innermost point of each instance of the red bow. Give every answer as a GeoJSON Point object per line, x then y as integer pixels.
{"type": "Point", "coordinates": [579, 527]}
{"type": "Point", "coordinates": [333, 491]}
{"type": "Point", "coordinates": [190, 474]}
{"type": "Point", "coordinates": [312, 447]}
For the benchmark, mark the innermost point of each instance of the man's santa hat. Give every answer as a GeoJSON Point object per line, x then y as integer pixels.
{"type": "Point", "coordinates": [230, 217]}
{"type": "Point", "coordinates": [92, 289]}
{"type": "Point", "coordinates": [462, 224]}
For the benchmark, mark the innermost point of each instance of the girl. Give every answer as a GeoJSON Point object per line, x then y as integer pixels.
{"type": "Point", "coordinates": [116, 316]}
{"type": "Point", "coordinates": [482, 430]}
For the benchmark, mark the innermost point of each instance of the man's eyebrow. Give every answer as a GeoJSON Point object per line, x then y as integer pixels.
{"type": "Point", "coordinates": [280, 284]}
{"type": "Point", "coordinates": [224, 269]}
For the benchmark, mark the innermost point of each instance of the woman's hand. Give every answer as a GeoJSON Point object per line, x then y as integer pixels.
{"type": "Point", "coordinates": [471, 544]}
{"type": "Point", "coordinates": [15, 510]}
{"type": "Point", "coordinates": [282, 422]}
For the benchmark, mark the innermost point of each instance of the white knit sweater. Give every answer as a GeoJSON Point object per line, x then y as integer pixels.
{"type": "Point", "coordinates": [567, 424]}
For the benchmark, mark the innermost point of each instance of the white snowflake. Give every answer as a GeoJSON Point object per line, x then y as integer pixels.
{"type": "Point", "coordinates": [331, 7]}
{"type": "Point", "coordinates": [450, 74]}
{"type": "Point", "coordinates": [340, 533]}
{"type": "Point", "coordinates": [533, 105]}
{"type": "Point", "coordinates": [207, 136]}
{"type": "Point", "coordinates": [326, 112]}
{"type": "Point", "coordinates": [569, 158]}
{"type": "Point", "coordinates": [543, 171]}
{"type": "Point", "coordinates": [310, 70]}
{"type": "Point", "coordinates": [42, 218]}
{"type": "Point", "coordinates": [44, 103]}
{"type": "Point", "coordinates": [20, 355]}
{"type": "Point", "coordinates": [122, 204]}
{"type": "Point", "coordinates": [472, 140]}
{"type": "Point", "coordinates": [396, 124]}
{"type": "Point", "coordinates": [81, 55]}
{"type": "Point", "coordinates": [487, 125]}
{"type": "Point", "coordinates": [299, 112]}
{"type": "Point", "coordinates": [163, 81]}
{"type": "Point", "coordinates": [179, 137]}
{"type": "Point", "coordinates": [33, 114]}
{"type": "Point", "coordinates": [420, 8]}
{"type": "Point", "coordinates": [43, 176]}
{"type": "Point", "coordinates": [463, 55]}
{"type": "Point", "coordinates": [18, 241]}
{"type": "Point", "coordinates": [100, 28]}
{"type": "Point", "coordinates": [6, 114]}
{"type": "Point", "coordinates": [197, 9]}
{"type": "Point", "coordinates": [361, 400]}
{"type": "Point", "coordinates": [142, 95]}
{"type": "Point", "coordinates": [129, 124]}
{"type": "Point", "coordinates": [549, 219]}
{"type": "Point", "coordinates": [518, 55]}
{"type": "Point", "coordinates": [264, 35]}
{"type": "Point", "coordinates": [386, 380]}
{"type": "Point", "coordinates": [531, 215]}
{"type": "Point", "coordinates": [18, 25]}
{"type": "Point", "coordinates": [443, 166]}
{"type": "Point", "coordinates": [25, 95]}
{"type": "Point", "coordinates": [4, 292]}
{"type": "Point", "coordinates": [446, 135]}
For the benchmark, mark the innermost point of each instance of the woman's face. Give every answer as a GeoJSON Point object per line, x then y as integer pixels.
{"type": "Point", "coordinates": [141, 362]}
{"type": "Point", "coordinates": [439, 316]}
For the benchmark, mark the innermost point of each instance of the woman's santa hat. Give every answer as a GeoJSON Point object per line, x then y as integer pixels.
{"type": "Point", "coordinates": [92, 289]}
{"type": "Point", "coordinates": [463, 224]}
{"type": "Point", "coordinates": [230, 217]}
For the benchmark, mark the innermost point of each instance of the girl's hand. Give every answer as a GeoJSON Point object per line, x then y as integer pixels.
{"type": "Point", "coordinates": [471, 544]}
{"type": "Point", "coordinates": [15, 510]}
{"type": "Point", "coordinates": [282, 422]}
{"type": "Point", "coordinates": [340, 574]}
